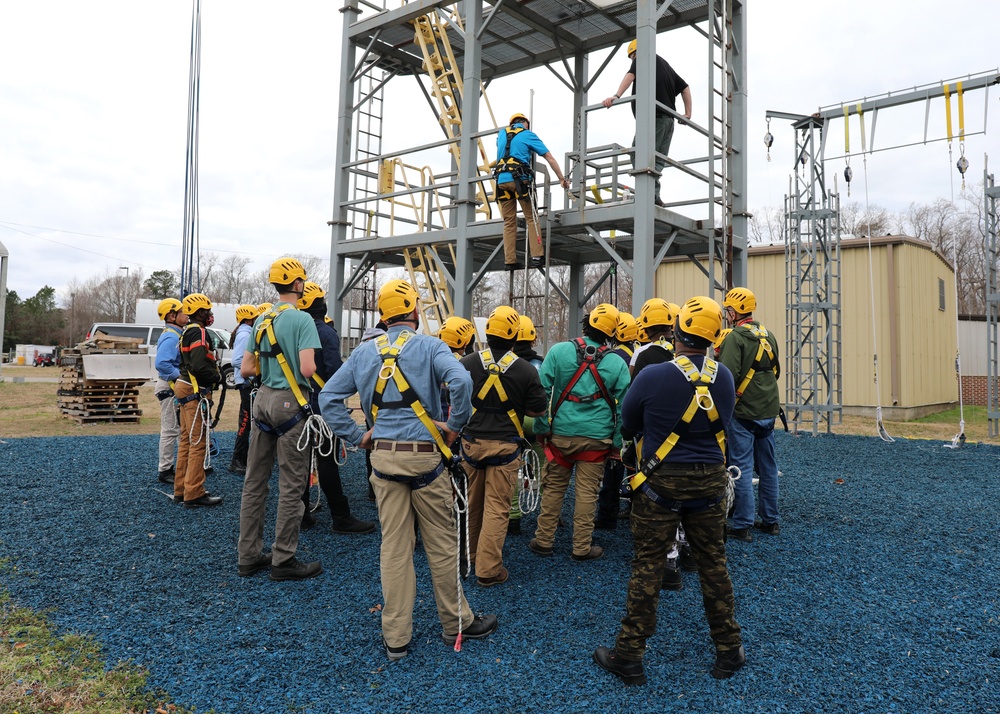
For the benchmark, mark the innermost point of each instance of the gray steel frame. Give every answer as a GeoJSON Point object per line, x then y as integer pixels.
{"type": "Point", "coordinates": [575, 229]}
{"type": "Point", "coordinates": [991, 212]}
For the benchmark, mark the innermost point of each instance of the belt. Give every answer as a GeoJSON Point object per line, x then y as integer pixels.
{"type": "Point", "coordinates": [421, 447]}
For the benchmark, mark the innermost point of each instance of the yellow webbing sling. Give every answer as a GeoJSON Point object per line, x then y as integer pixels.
{"type": "Point", "coordinates": [763, 348]}
{"type": "Point", "coordinates": [701, 399]}
{"type": "Point", "coordinates": [494, 370]}
{"type": "Point", "coordinates": [267, 327]}
{"type": "Point", "coordinates": [626, 349]}
{"type": "Point", "coordinates": [390, 370]}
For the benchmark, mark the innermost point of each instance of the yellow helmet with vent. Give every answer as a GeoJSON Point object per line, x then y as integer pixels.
{"type": "Point", "coordinates": [604, 318]}
{"type": "Point", "coordinates": [286, 271]}
{"type": "Point", "coordinates": [397, 297]}
{"type": "Point", "coordinates": [195, 302]}
{"type": "Point", "coordinates": [526, 330]}
{"type": "Point", "coordinates": [457, 332]}
{"type": "Point", "coordinates": [311, 292]}
{"type": "Point", "coordinates": [168, 306]}
{"type": "Point", "coordinates": [627, 329]}
{"type": "Point", "coordinates": [741, 300]}
{"type": "Point", "coordinates": [700, 322]}
{"type": "Point", "coordinates": [247, 312]}
{"type": "Point", "coordinates": [504, 322]}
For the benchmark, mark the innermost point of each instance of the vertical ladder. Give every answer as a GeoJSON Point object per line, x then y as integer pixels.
{"type": "Point", "coordinates": [429, 278]}
{"type": "Point", "coordinates": [368, 146]}
{"type": "Point", "coordinates": [991, 198]}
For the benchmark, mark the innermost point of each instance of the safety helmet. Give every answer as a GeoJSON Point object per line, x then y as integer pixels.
{"type": "Point", "coordinates": [656, 312]}
{"type": "Point", "coordinates": [604, 318]}
{"type": "Point", "coordinates": [518, 115]}
{"type": "Point", "coordinates": [264, 307]}
{"type": "Point", "coordinates": [632, 46]}
{"type": "Point", "coordinates": [397, 297]}
{"type": "Point", "coordinates": [504, 322]}
{"type": "Point", "coordinates": [195, 302]}
{"type": "Point", "coordinates": [700, 322]}
{"type": "Point", "coordinates": [741, 300]}
{"type": "Point", "coordinates": [168, 306]}
{"type": "Point", "coordinates": [640, 336]}
{"type": "Point", "coordinates": [722, 335]}
{"type": "Point", "coordinates": [526, 331]}
{"type": "Point", "coordinates": [285, 271]}
{"type": "Point", "coordinates": [627, 328]}
{"type": "Point", "coordinates": [457, 332]}
{"type": "Point", "coordinates": [311, 292]}
{"type": "Point", "coordinates": [675, 310]}
{"type": "Point", "coordinates": [247, 312]}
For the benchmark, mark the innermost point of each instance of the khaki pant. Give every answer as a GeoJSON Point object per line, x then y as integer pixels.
{"type": "Point", "coordinates": [555, 481]}
{"type": "Point", "coordinates": [430, 507]}
{"type": "Point", "coordinates": [189, 472]}
{"type": "Point", "coordinates": [170, 429]}
{"type": "Point", "coordinates": [274, 407]}
{"type": "Point", "coordinates": [490, 490]}
{"type": "Point", "coordinates": [508, 209]}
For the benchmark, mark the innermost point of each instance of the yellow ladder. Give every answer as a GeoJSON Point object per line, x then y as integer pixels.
{"type": "Point", "coordinates": [423, 264]}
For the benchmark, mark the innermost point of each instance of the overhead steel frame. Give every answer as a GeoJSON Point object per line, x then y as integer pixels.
{"type": "Point", "coordinates": [812, 249]}
{"type": "Point", "coordinates": [656, 232]}
{"type": "Point", "coordinates": [991, 213]}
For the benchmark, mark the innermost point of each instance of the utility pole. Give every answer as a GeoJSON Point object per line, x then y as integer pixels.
{"type": "Point", "coordinates": [124, 293]}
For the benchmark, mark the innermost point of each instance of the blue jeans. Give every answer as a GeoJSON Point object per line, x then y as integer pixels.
{"type": "Point", "coordinates": [751, 448]}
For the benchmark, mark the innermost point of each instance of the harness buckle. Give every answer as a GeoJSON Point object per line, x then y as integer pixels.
{"type": "Point", "coordinates": [590, 351]}
{"type": "Point", "coordinates": [705, 401]}
{"type": "Point", "coordinates": [387, 375]}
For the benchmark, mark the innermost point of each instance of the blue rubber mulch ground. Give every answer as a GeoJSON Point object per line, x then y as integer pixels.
{"type": "Point", "coordinates": [880, 595]}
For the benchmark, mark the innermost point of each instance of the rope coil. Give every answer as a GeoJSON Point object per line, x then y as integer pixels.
{"type": "Point", "coordinates": [529, 494]}
{"type": "Point", "coordinates": [317, 436]}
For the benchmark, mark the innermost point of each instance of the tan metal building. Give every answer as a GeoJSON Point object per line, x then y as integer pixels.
{"type": "Point", "coordinates": [914, 313]}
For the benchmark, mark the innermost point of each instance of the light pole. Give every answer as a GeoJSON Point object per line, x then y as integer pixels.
{"type": "Point", "coordinates": [72, 319]}
{"type": "Point", "coordinates": [125, 298]}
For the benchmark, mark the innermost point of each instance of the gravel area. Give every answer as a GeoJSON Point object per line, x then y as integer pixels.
{"type": "Point", "coordinates": [880, 594]}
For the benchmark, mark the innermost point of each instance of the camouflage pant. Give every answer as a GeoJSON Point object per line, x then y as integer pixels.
{"type": "Point", "coordinates": [654, 529]}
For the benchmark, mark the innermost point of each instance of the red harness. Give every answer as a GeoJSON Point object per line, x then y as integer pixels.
{"type": "Point", "coordinates": [591, 456]}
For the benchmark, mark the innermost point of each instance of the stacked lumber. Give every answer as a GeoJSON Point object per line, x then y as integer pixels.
{"type": "Point", "coordinates": [86, 401]}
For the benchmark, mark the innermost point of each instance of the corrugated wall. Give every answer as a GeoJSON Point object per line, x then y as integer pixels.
{"type": "Point", "coordinates": [916, 340]}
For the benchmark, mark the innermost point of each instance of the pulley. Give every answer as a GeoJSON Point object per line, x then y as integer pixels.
{"type": "Point", "coordinates": [768, 139]}
{"type": "Point", "coordinates": [962, 165]}
{"type": "Point", "coordinates": [848, 175]}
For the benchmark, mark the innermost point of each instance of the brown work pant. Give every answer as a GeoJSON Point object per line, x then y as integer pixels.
{"type": "Point", "coordinates": [555, 481]}
{"type": "Point", "coordinates": [189, 471]}
{"type": "Point", "coordinates": [490, 491]}
{"type": "Point", "coordinates": [430, 507]}
{"type": "Point", "coordinates": [508, 209]}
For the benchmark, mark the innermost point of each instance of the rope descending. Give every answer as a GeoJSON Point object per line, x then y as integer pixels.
{"type": "Point", "coordinates": [460, 488]}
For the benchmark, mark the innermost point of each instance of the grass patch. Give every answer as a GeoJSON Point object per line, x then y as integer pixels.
{"type": "Point", "coordinates": [42, 671]}
{"type": "Point", "coordinates": [973, 415]}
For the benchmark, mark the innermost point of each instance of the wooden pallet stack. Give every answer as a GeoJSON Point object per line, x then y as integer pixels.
{"type": "Point", "coordinates": [86, 401]}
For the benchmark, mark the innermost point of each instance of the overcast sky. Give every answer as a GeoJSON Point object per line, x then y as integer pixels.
{"type": "Point", "coordinates": [93, 104]}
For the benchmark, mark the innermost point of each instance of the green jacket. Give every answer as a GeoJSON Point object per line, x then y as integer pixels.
{"type": "Point", "coordinates": [594, 419]}
{"type": "Point", "coordinates": [760, 399]}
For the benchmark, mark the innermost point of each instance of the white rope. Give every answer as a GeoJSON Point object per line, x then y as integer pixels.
{"type": "Point", "coordinates": [317, 436]}
{"type": "Point", "coordinates": [879, 423]}
{"type": "Point", "coordinates": [528, 475]}
{"type": "Point", "coordinates": [461, 506]}
{"type": "Point", "coordinates": [959, 439]}
{"type": "Point", "coordinates": [734, 474]}
{"type": "Point", "coordinates": [341, 449]}
{"type": "Point", "coordinates": [204, 413]}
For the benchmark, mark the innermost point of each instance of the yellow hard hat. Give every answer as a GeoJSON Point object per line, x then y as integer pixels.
{"type": "Point", "coordinates": [247, 312]}
{"type": "Point", "coordinates": [195, 302]}
{"type": "Point", "coordinates": [641, 337]}
{"type": "Point", "coordinates": [632, 47]}
{"type": "Point", "coordinates": [741, 300]}
{"type": "Point", "coordinates": [526, 331]}
{"type": "Point", "coordinates": [604, 317]}
{"type": "Point", "coordinates": [504, 322]}
{"type": "Point", "coordinates": [518, 115]}
{"type": "Point", "coordinates": [675, 310]}
{"type": "Point", "coordinates": [722, 335]}
{"type": "Point", "coordinates": [700, 322]}
{"type": "Point", "coordinates": [168, 306]}
{"type": "Point", "coordinates": [311, 292]}
{"type": "Point", "coordinates": [656, 312]}
{"type": "Point", "coordinates": [397, 297]}
{"type": "Point", "coordinates": [264, 307]}
{"type": "Point", "coordinates": [286, 271]}
{"type": "Point", "coordinates": [627, 328]}
{"type": "Point", "coordinates": [457, 332]}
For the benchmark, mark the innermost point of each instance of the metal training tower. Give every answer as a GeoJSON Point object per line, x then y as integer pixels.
{"type": "Point", "coordinates": [428, 206]}
{"type": "Point", "coordinates": [991, 213]}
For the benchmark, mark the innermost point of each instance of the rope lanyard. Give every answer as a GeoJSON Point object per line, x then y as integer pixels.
{"type": "Point", "coordinates": [963, 164]}
{"type": "Point", "coordinates": [528, 495]}
{"type": "Point", "coordinates": [318, 438]}
{"type": "Point", "coordinates": [700, 399]}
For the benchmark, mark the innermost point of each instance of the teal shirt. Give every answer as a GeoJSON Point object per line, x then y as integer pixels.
{"type": "Point", "coordinates": [594, 420]}
{"type": "Point", "coordinates": [295, 331]}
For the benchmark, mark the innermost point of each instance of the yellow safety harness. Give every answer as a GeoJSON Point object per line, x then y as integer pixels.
{"type": "Point", "coordinates": [493, 383]}
{"type": "Point", "coordinates": [389, 354]}
{"type": "Point", "coordinates": [700, 399]}
{"type": "Point", "coordinates": [764, 348]}
{"type": "Point", "coordinates": [266, 327]}
{"type": "Point", "coordinates": [627, 349]}
{"type": "Point", "coordinates": [517, 169]}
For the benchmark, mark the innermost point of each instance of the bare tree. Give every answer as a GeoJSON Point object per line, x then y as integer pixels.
{"type": "Point", "coordinates": [859, 221]}
{"type": "Point", "coordinates": [767, 227]}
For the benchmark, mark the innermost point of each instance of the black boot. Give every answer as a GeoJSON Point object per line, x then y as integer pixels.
{"type": "Point", "coordinates": [629, 671]}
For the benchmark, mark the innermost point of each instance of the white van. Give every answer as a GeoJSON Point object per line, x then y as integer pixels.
{"type": "Point", "coordinates": [149, 334]}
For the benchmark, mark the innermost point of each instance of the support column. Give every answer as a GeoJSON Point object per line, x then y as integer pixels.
{"type": "Point", "coordinates": [644, 175]}
{"type": "Point", "coordinates": [991, 208]}
{"type": "Point", "coordinates": [738, 155]}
